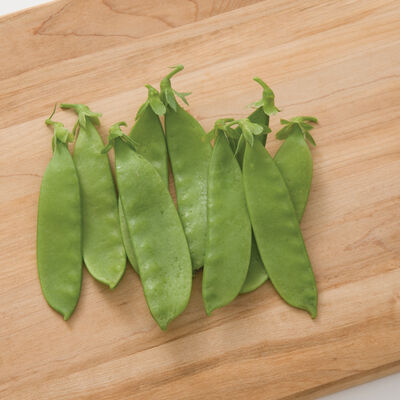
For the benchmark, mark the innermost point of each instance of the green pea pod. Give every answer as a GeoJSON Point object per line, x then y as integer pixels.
{"type": "Point", "coordinates": [294, 160]}
{"type": "Point", "coordinates": [277, 231]}
{"type": "Point", "coordinates": [103, 249]}
{"type": "Point", "coordinates": [189, 152]}
{"type": "Point", "coordinates": [229, 230]}
{"type": "Point", "coordinates": [155, 230]}
{"type": "Point", "coordinates": [59, 253]}
{"type": "Point", "coordinates": [256, 274]}
{"type": "Point", "coordinates": [148, 135]}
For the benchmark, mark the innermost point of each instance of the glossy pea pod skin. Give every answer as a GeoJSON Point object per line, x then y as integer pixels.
{"type": "Point", "coordinates": [156, 232]}
{"type": "Point", "coordinates": [59, 252]}
{"type": "Point", "coordinates": [277, 230]}
{"type": "Point", "coordinates": [103, 249]}
{"type": "Point", "coordinates": [148, 135]}
{"type": "Point", "coordinates": [189, 152]}
{"type": "Point", "coordinates": [229, 230]}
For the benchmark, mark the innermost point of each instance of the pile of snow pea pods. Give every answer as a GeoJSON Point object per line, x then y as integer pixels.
{"type": "Point", "coordinates": [237, 214]}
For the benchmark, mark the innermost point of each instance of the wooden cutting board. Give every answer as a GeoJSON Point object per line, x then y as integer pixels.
{"type": "Point", "coordinates": [337, 60]}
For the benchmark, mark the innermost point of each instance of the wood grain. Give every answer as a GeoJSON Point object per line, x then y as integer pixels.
{"type": "Point", "coordinates": [336, 60]}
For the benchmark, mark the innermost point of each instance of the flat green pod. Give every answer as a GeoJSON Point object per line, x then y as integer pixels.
{"type": "Point", "coordinates": [59, 252]}
{"type": "Point", "coordinates": [148, 135]}
{"type": "Point", "coordinates": [189, 153]}
{"type": "Point", "coordinates": [103, 249]}
{"type": "Point", "coordinates": [294, 160]}
{"type": "Point", "coordinates": [277, 231]}
{"type": "Point", "coordinates": [229, 230]}
{"type": "Point", "coordinates": [155, 230]}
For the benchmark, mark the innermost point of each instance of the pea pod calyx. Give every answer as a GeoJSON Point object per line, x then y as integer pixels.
{"type": "Point", "coordinates": [268, 99]}
{"type": "Point", "coordinates": [248, 130]}
{"type": "Point", "coordinates": [154, 101]}
{"type": "Point", "coordinates": [168, 94]}
{"type": "Point", "coordinates": [301, 123]}
{"type": "Point", "coordinates": [115, 133]}
{"type": "Point", "coordinates": [84, 112]}
{"type": "Point", "coordinates": [61, 133]}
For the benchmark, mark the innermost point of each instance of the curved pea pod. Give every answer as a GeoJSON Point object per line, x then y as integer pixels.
{"type": "Point", "coordinates": [155, 230]}
{"type": "Point", "coordinates": [59, 253]}
{"type": "Point", "coordinates": [294, 160]}
{"type": "Point", "coordinates": [229, 230]}
{"type": "Point", "coordinates": [189, 152]}
{"type": "Point", "coordinates": [103, 249]}
{"type": "Point", "coordinates": [277, 230]}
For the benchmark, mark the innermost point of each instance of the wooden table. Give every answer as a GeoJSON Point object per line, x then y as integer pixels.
{"type": "Point", "coordinates": [337, 60]}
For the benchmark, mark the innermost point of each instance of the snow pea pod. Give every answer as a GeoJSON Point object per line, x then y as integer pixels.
{"type": "Point", "coordinates": [229, 230]}
{"type": "Point", "coordinates": [277, 229]}
{"type": "Point", "coordinates": [148, 135]}
{"type": "Point", "coordinates": [189, 152]}
{"type": "Point", "coordinates": [155, 229]}
{"type": "Point", "coordinates": [59, 253]}
{"type": "Point", "coordinates": [103, 249]}
{"type": "Point", "coordinates": [256, 274]}
{"type": "Point", "coordinates": [294, 160]}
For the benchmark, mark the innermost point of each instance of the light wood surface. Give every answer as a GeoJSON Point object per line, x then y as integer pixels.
{"type": "Point", "coordinates": [337, 60]}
